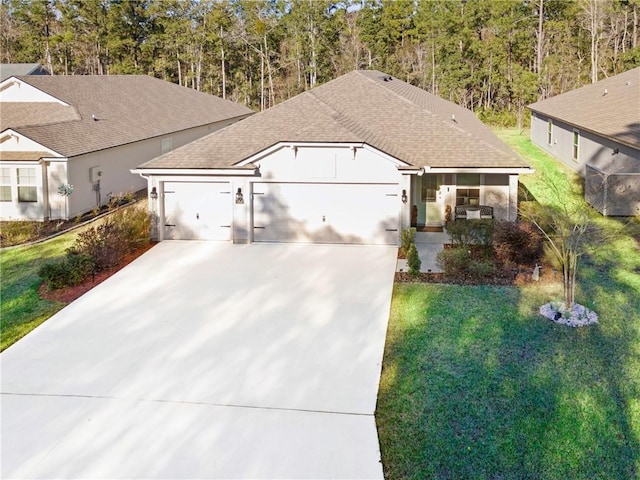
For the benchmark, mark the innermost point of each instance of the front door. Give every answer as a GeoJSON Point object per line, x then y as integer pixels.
{"type": "Point", "coordinates": [429, 201]}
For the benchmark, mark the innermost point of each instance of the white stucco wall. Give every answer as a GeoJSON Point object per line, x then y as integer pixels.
{"type": "Point", "coordinates": [330, 164]}
{"type": "Point", "coordinates": [304, 164]}
{"type": "Point", "coordinates": [15, 142]}
{"type": "Point", "coordinates": [17, 91]}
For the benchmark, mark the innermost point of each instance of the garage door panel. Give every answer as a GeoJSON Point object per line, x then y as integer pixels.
{"type": "Point", "coordinates": [197, 211]}
{"type": "Point", "coordinates": [325, 213]}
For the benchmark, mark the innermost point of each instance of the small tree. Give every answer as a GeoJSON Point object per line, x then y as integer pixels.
{"type": "Point", "coordinates": [568, 229]}
{"type": "Point", "coordinates": [413, 260]}
{"type": "Point", "coordinates": [407, 237]}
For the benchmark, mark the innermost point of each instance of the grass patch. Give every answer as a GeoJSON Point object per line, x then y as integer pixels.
{"type": "Point", "coordinates": [21, 309]}
{"type": "Point", "coordinates": [476, 384]}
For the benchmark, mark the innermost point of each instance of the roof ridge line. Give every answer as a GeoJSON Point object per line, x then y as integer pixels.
{"type": "Point", "coordinates": [437, 117]}
{"type": "Point", "coordinates": [344, 119]}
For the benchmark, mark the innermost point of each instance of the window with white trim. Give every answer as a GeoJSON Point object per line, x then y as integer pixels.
{"type": "Point", "coordinates": [576, 143]}
{"type": "Point", "coordinates": [468, 189]}
{"type": "Point", "coordinates": [27, 189]}
{"type": "Point", "coordinates": [549, 132]}
{"type": "Point", "coordinates": [5, 184]}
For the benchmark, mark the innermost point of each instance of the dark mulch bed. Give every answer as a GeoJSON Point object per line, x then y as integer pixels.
{"type": "Point", "coordinates": [520, 277]}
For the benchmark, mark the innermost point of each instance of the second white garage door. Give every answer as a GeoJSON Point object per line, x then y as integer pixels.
{"type": "Point", "coordinates": [197, 210]}
{"type": "Point", "coordinates": [326, 213]}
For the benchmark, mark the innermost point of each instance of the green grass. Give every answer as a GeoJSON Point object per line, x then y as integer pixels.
{"type": "Point", "coordinates": [21, 308]}
{"type": "Point", "coordinates": [477, 385]}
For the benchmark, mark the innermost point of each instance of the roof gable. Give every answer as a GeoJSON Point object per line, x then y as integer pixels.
{"type": "Point", "coordinates": [609, 108]}
{"type": "Point", "coordinates": [391, 116]}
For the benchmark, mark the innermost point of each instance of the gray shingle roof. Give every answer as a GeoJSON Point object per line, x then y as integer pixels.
{"type": "Point", "coordinates": [406, 122]}
{"type": "Point", "coordinates": [22, 156]}
{"type": "Point", "coordinates": [129, 108]}
{"type": "Point", "coordinates": [614, 114]}
{"type": "Point", "coordinates": [21, 114]}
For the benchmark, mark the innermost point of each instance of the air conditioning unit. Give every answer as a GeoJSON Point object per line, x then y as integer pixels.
{"type": "Point", "coordinates": [95, 173]}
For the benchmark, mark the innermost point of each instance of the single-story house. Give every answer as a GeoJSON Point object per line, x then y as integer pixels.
{"type": "Point", "coordinates": [18, 69]}
{"type": "Point", "coordinates": [89, 132]}
{"type": "Point", "coordinates": [352, 161]}
{"type": "Point", "coordinates": [595, 130]}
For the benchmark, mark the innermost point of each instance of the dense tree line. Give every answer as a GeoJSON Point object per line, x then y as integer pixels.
{"type": "Point", "coordinates": [492, 56]}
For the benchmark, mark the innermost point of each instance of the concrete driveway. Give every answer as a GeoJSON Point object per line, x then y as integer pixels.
{"type": "Point", "coordinates": [207, 360]}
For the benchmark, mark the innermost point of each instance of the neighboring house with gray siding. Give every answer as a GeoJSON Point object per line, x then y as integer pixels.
{"type": "Point", "coordinates": [352, 161]}
{"type": "Point", "coordinates": [20, 69]}
{"type": "Point", "coordinates": [89, 131]}
{"type": "Point", "coordinates": [595, 130]}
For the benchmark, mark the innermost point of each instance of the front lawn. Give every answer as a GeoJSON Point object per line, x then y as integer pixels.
{"type": "Point", "coordinates": [21, 308]}
{"type": "Point", "coordinates": [476, 384]}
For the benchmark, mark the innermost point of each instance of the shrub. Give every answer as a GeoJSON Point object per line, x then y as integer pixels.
{"type": "Point", "coordinates": [413, 260]}
{"type": "Point", "coordinates": [120, 199]}
{"type": "Point", "coordinates": [471, 232]}
{"type": "Point", "coordinates": [20, 231]}
{"type": "Point", "coordinates": [103, 244]}
{"type": "Point", "coordinates": [481, 268]}
{"type": "Point", "coordinates": [68, 272]}
{"type": "Point", "coordinates": [407, 238]}
{"type": "Point", "coordinates": [454, 261]}
{"type": "Point", "coordinates": [517, 243]}
{"type": "Point", "coordinates": [134, 226]}
{"type": "Point", "coordinates": [121, 233]}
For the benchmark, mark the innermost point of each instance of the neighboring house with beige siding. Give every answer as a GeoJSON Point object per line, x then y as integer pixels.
{"type": "Point", "coordinates": [352, 161]}
{"type": "Point", "coordinates": [595, 130]}
{"type": "Point", "coordinates": [89, 131]}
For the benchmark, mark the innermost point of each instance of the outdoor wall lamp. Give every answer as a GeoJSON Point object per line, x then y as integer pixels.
{"type": "Point", "coordinates": [154, 193]}
{"type": "Point", "coordinates": [616, 151]}
{"type": "Point", "coordinates": [404, 196]}
{"type": "Point", "coordinates": [239, 196]}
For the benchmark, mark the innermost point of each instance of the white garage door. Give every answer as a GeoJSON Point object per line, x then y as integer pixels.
{"type": "Point", "coordinates": [325, 213]}
{"type": "Point", "coordinates": [197, 211]}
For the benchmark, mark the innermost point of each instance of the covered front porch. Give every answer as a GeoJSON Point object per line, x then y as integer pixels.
{"type": "Point", "coordinates": [434, 196]}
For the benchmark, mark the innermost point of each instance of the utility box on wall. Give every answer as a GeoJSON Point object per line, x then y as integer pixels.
{"type": "Point", "coordinates": [95, 173]}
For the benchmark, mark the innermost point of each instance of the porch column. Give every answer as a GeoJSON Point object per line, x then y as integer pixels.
{"type": "Point", "coordinates": [513, 198]}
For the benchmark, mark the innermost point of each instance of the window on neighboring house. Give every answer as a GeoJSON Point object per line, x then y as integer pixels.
{"type": "Point", "coordinates": [27, 190]}
{"type": "Point", "coordinates": [167, 145]}
{"type": "Point", "coordinates": [576, 142]}
{"type": "Point", "coordinates": [5, 184]}
{"type": "Point", "coordinates": [549, 132]}
{"type": "Point", "coordinates": [468, 189]}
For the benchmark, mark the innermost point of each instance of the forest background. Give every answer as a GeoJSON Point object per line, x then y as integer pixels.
{"type": "Point", "coordinates": [491, 56]}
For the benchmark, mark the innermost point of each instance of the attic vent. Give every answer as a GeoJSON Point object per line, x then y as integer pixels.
{"type": "Point", "coordinates": [387, 78]}
{"type": "Point", "coordinates": [605, 92]}
{"type": "Point", "coordinates": [453, 117]}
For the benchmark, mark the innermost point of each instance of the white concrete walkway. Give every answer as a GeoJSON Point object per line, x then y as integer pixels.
{"type": "Point", "coordinates": [206, 360]}
{"type": "Point", "coordinates": [428, 244]}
